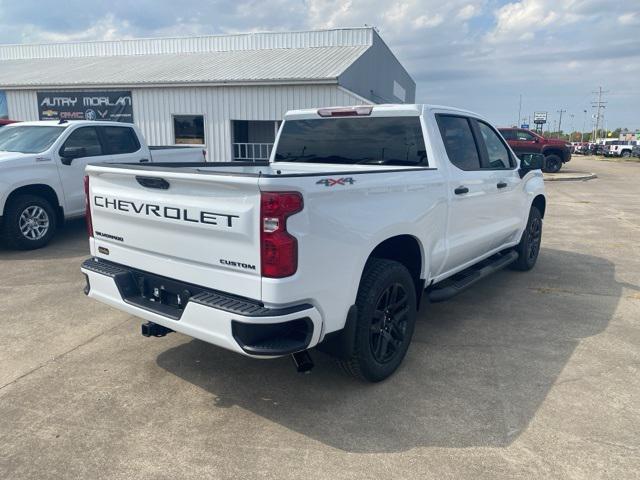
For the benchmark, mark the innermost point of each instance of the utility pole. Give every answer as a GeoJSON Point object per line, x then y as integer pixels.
{"type": "Point", "coordinates": [560, 122]}
{"type": "Point", "coordinates": [571, 128]}
{"type": "Point", "coordinates": [598, 105]}
{"type": "Point", "coordinates": [584, 123]}
{"type": "Point", "coordinates": [519, 111]}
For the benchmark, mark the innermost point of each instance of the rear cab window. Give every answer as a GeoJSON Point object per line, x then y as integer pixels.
{"type": "Point", "coordinates": [353, 141]}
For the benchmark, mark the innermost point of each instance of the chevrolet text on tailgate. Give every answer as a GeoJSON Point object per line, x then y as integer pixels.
{"type": "Point", "coordinates": [359, 213]}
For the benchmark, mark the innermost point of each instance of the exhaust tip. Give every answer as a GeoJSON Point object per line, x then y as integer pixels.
{"type": "Point", "coordinates": [303, 361]}
{"type": "Point", "coordinates": [87, 287]}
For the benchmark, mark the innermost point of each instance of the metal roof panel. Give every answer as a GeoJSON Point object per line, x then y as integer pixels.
{"type": "Point", "coordinates": [264, 65]}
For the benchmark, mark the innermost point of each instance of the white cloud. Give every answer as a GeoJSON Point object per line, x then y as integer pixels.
{"type": "Point", "coordinates": [329, 14]}
{"type": "Point", "coordinates": [630, 18]}
{"type": "Point", "coordinates": [523, 19]}
{"type": "Point", "coordinates": [396, 20]}
{"type": "Point", "coordinates": [425, 21]}
{"type": "Point", "coordinates": [105, 28]}
{"type": "Point", "coordinates": [467, 12]}
{"type": "Point", "coordinates": [519, 21]}
{"type": "Point", "coordinates": [466, 53]}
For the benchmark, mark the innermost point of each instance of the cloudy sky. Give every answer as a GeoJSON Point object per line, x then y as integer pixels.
{"type": "Point", "coordinates": [475, 54]}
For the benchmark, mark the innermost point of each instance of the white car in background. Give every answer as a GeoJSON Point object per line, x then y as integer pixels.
{"type": "Point", "coordinates": [620, 148]}
{"type": "Point", "coordinates": [42, 169]}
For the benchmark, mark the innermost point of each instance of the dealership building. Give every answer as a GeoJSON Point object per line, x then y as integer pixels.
{"type": "Point", "coordinates": [227, 92]}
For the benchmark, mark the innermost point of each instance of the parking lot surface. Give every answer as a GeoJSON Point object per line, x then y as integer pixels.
{"type": "Point", "coordinates": [532, 375]}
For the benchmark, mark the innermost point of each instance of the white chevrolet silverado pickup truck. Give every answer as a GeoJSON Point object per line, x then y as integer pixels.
{"type": "Point", "coordinates": [331, 244]}
{"type": "Point", "coordinates": [42, 169]}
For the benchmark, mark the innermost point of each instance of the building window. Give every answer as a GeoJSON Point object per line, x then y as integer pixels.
{"type": "Point", "coordinates": [188, 129]}
{"type": "Point", "coordinates": [253, 139]}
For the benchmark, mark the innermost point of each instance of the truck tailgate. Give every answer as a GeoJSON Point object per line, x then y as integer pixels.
{"type": "Point", "coordinates": [199, 228]}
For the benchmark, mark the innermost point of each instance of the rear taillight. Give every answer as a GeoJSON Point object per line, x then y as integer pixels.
{"type": "Point", "coordinates": [278, 248]}
{"type": "Point", "coordinates": [87, 207]}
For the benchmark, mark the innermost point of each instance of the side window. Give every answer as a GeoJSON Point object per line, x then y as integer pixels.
{"type": "Point", "coordinates": [459, 142]}
{"type": "Point", "coordinates": [497, 152]}
{"type": "Point", "coordinates": [525, 136]}
{"type": "Point", "coordinates": [120, 140]}
{"type": "Point", "coordinates": [508, 134]}
{"type": "Point", "coordinates": [83, 142]}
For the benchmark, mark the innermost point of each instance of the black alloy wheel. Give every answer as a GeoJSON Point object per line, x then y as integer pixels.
{"type": "Point", "coordinates": [389, 323]}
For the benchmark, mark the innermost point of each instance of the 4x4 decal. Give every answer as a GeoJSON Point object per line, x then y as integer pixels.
{"type": "Point", "coordinates": [330, 182]}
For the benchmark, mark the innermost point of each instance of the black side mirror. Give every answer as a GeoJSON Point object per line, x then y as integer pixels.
{"type": "Point", "coordinates": [530, 161]}
{"type": "Point", "coordinates": [68, 154]}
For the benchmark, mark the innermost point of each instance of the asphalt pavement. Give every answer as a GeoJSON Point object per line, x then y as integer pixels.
{"type": "Point", "coordinates": [526, 375]}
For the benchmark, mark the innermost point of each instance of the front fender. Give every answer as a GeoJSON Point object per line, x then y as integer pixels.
{"type": "Point", "coordinates": [533, 188]}
{"type": "Point", "coordinates": [14, 177]}
{"type": "Point", "coordinates": [533, 184]}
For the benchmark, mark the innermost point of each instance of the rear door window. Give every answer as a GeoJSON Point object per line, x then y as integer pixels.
{"type": "Point", "coordinates": [357, 140]}
{"type": "Point", "coordinates": [458, 141]}
{"type": "Point", "coordinates": [508, 134]}
{"type": "Point", "coordinates": [120, 140]}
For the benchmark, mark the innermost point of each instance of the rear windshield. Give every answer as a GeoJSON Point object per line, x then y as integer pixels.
{"type": "Point", "coordinates": [367, 140]}
{"type": "Point", "coordinates": [28, 138]}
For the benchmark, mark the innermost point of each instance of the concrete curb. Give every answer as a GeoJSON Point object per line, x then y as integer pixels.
{"type": "Point", "coordinates": [569, 177]}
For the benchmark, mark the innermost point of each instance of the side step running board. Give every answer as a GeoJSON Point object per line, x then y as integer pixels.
{"type": "Point", "coordinates": [463, 280]}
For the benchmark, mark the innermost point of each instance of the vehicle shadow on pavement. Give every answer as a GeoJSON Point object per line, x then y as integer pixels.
{"type": "Point", "coordinates": [69, 240]}
{"type": "Point", "coordinates": [480, 366]}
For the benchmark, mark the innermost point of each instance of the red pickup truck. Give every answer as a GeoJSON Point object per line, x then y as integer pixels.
{"type": "Point", "coordinates": [556, 152]}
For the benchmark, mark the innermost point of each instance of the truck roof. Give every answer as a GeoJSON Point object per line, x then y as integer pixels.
{"type": "Point", "coordinates": [68, 123]}
{"type": "Point", "coordinates": [382, 110]}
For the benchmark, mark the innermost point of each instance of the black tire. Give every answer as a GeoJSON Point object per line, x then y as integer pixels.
{"type": "Point", "coordinates": [529, 246]}
{"type": "Point", "coordinates": [29, 222]}
{"type": "Point", "coordinates": [552, 163]}
{"type": "Point", "coordinates": [387, 313]}
{"type": "Point", "coordinates": [626, 154]}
